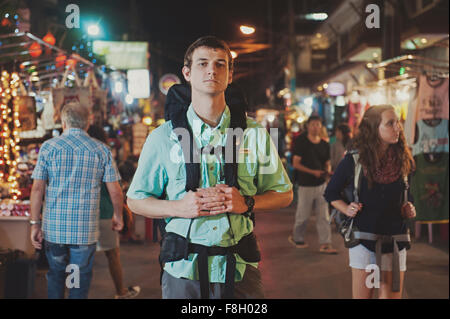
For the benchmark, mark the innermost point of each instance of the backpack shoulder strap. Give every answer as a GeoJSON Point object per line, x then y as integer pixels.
{"type": "Point", "coordinates": [357, 177]}
{"type": "Point", "coordinates": [179, 120]}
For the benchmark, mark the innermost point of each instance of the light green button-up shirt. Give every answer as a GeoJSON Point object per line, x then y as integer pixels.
{"type": "Point", "coordinates": [162, 167]}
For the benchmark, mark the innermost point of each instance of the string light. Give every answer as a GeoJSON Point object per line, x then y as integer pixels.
{"type": "Point", "coordinates": [10, 127]}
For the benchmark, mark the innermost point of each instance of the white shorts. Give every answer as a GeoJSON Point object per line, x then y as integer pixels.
{"type": "Point", "coordinates": [108, 238]}
{"type": "Point", "coordinates": [360, 257]}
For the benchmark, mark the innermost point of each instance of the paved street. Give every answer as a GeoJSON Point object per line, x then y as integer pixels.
{"type": "Point", "coordinates": [287, 272]}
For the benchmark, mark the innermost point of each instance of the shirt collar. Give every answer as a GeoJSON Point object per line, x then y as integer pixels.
{"type": "Point", "coordinates": [198, 125]}
{"type": "Point", "coordinates": [74, 131]}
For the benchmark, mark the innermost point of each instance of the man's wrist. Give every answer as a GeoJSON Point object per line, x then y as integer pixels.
{"type": "Point", "coordinates": [250, 203]}
{"type": "Point", "coordinates": [34, 222]}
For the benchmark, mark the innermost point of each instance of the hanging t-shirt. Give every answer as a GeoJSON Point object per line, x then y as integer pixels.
{"type": "Point", "coordinates": [431, 138]}
{"type": "Point", "coordinates": [355, 113]}
{"type": "Point", "coordinates": [409, 126]}
{"type": "Point", "coordinates": [429, 186]}
{"type": "Point", "coordinates": [432, 99]}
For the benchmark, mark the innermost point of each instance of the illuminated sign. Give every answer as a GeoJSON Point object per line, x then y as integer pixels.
{"type": "Point", "coordinates": [123, 55]}
{"type": "Point", "coordinates": [138, 83]}
{"type": "Point", "coordinates": [167, 81]}
{"type": "Point", "coordinates": [335, 89]}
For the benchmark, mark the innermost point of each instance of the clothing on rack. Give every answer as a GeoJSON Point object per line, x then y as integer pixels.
{"type": "Point", "coordinates": [355, 111]}
{"type": "Point", "coordinates": [432, 137]}
{"type": "Point", "coordinates": [409, 127]}
{"type": "Point", "coordinates": [432, 99]}
{"type": "Point", "coordinates": [429, 187]}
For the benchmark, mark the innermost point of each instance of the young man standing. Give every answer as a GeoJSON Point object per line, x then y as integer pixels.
{"type": "Point", "coordinates": [213, 251]}
{"type": "Point", "coordinates": [312, 163]}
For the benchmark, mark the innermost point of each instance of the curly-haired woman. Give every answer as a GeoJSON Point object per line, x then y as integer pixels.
{"type": "Point", "coordinates": [382, 208]}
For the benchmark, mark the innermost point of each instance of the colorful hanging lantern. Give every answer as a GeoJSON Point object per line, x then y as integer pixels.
{"type": "Point", "coordinates": [35, 50]}
{"type": "Point", "coordinates": [5, 22]}
{"type": "Point", "coordinates": [49, 38]}
{"type": "Point", "coordinates": [60, 59]}
{"type": "Point", "coordinates": [71, 62]}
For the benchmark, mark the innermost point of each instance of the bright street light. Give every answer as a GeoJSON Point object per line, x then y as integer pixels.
{"type": "Point", "coordinates": [245, 29]}
{"type": "Point", "coordinates": [93, 30]}
{"type": "Point", "coordinates": [320, 16]}
{"type": "Point", "coordinates": [129, 99]}
{"type": "Point", "coordinates": [234, 54]}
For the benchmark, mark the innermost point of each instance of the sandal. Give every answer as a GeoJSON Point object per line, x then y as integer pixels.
{"type": "Point", "coordinates": [327, 249]}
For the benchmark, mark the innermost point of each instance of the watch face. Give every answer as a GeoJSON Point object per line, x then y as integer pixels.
{"type": "Point", "coordinates": [249, 201]}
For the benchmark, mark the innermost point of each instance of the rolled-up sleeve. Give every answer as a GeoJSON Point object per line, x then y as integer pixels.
{"type": "Point", "coordinates": [342, 176]}
{"type": "Point", "coordinates": [271, 175]}
{"type": "Point", "coordinates": [111, 172]}
{"type": "Point", "coordinates": [41, 169]}
{"type": "Point", "coordinates": [150, 177]}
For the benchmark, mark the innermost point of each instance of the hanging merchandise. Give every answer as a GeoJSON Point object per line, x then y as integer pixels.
{"type": "Point", "coordinates": [432, 100]}
{"type": "Point", "coordinates": [64, 95]}
{"type": "Point", "coordinates": [409, 127]}
{"type": "Point", "coordinates": [27, 112]}
{"type": "Point", "coordinates": [429, 187]}
{"type": "Point", "coordinates": [432, 137]}
{"type": "Point", "coordinates": [355, 111]}
{"type": "Point", "coordinates": [44, 102]}
{"type": "Point", "coordinates": [98, 98]}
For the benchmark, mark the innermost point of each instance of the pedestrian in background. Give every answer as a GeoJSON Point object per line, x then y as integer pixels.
{"type": "Point", "coordinates": [70, 171]}
{"type": "Point", "coordinates": [382, 207]}
{"type": "Point", "coordinates": [337, 150]}
{"type": "Point", "coordinates": [312, 162]}
{"type": "Point", "coordinates": [108, 240]}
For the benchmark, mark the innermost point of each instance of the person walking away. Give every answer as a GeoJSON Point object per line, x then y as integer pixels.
{"type": "Point", "coordinates": [70, 171]}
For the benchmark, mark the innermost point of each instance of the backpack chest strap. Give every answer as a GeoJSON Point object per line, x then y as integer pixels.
{"type": "Point", "coordinates": [386, 239]}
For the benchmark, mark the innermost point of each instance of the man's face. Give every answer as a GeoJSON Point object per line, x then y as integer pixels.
{"type": "Point", "coordinates": [314, 127]}
{"type": "Point", "coordinates": [209, 73]}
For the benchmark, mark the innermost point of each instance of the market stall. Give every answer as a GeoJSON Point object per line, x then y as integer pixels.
{"type": "Point", "coordinates": [37, 78]}
{"type": "Point", "coordinates": [419, 94]}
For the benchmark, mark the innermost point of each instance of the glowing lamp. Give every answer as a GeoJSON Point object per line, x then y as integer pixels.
{"type": "Point", "coordinates": [35, 50]}
{"type": "Point", "coordinates": [49, 38]}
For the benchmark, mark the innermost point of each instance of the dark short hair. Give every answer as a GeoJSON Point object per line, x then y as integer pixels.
{"type": "Point", "coordinates": [314, 118]}
{"type": "Point", "coordinates": [209, 42]}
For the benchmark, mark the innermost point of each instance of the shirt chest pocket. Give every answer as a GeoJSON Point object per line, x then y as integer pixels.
{"type": "Point", "coordinates": [177, 182]}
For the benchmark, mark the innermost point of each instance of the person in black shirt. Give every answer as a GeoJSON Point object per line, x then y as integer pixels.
{"type": "Point", "coordinates": [311, 160]}
{"type": "Point", "coordinates": [382, 208]}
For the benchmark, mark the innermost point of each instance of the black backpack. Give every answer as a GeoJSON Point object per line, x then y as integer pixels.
{"type": "Point", "coordinates": [177, 103]}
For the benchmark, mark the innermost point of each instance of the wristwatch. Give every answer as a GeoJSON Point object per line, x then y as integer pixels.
{"type": "Point", "coordinates": [250, 202]}
{"type": "Point", "coordinates": [35, 222]}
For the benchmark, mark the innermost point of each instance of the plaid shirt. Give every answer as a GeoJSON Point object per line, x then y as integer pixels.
{"type": "Point", "coordinates": [74, 166]}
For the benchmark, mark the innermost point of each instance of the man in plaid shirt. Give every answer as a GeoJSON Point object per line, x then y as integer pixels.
{"type": "Point", "coordinates": [70, 171]}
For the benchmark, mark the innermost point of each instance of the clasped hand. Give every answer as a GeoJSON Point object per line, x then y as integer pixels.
{"type": "Point", "coordinates": [408, 210]}
{"type": "Point", "coordinates": [212, 201]}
